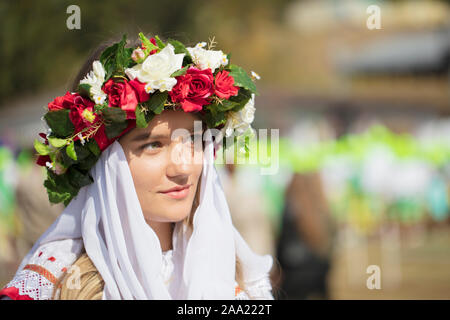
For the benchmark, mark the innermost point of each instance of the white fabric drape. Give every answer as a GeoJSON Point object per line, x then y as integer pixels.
{"type": "Point", "coordinates": [126, 251]}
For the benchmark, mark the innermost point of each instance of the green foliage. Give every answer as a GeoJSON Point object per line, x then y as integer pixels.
{"type": "Point", "coordinates": [59, 188]}
{"type": "Point", "coordinates": [78, 160]}
{"type": "Point", "coordinates": [143, 118]}
{"type": "Point", "coordinates": [180, 48]}
{"type": "Point", "coordinates": [57, 142]}
{"type": "Point", "coordinates": [241, 78]}
{"type": "Point", "coordinates": [116, 58]}
{"type": "Point", "coordinates": [70, 150]}
{"type": "Point", "coordinates": [60, 123]}
{"type": "Point", "coordinates": [235, 103]}
{"type": "Point", "coordinates": [116, 121]}
{"type": "Point", "coordinates": [160, 44]}
{"type": "Point", "coordinates": [41, 148]}
{"type": "Point", "coordinates": [180, 72]}
{"type": "Point", "coordinates": [214, 117]}
{"type": "Point", "coordinates": [157, 101]}
{"type": "Point", "coordinates": [84, 90]}
{"type": "Point", "coordinates": [148, 46]}
{"type": "Point", "coordinates": [93, 147]}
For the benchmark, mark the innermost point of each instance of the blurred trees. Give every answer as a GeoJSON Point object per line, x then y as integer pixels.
{"type": "Point", "coordinates": [38, 51]}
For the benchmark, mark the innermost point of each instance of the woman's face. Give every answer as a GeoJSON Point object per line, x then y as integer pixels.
{"type": "Point", "coordinates": [159, 161]}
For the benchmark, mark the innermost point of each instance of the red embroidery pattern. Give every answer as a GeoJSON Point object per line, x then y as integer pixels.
{"type": "Point", "coordinates": [42, 271]}
{"type": "Point", "coordinates": [237, 290]}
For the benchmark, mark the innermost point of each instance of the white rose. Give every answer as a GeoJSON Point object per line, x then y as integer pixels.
{"type": "Point", "coordinates": [248, 112]}
{"type": "Point", "coordinates": [98, 70]}
{"type": "Point", "coordinates": [205, 59]}
{"type": "Point", "coordinates": [157, 68]}
{"type": "Point", "coordinates": [240, 121]}
{"type": "Point", "coordinates": [95, 79]}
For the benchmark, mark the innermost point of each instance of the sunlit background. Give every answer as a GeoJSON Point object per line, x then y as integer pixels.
{"type": "Point", "coordinates": [358, 207]}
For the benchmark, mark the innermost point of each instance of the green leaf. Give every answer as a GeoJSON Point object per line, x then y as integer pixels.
{"type": "Point", "coordinates": [67, 201]}
{"type": "Point", "coordinates": [77, 178]}
{"type": "Point", "coordinates": [116, 121]}
{"type": "Point", "coordinates": [214, 117]}
{"type": "Point", "coordinates": [229, 59]}
{"type": "Point", "coordinates": [156, 101]}
{"type": "Point", "coordinates": [235, 103]}
{"type": "Point", "coordinates": [180, 48]}
{"type": "Point", "coordinates": [88, 163]}
{"type": "Point", "coordinates": [114, 114]}
{"type": "Point", "coordinates": [147, 44]}
{"type": "Point", "coordinates": [60, 123]}
{"type": "Point", "coordinates": [241, 78]}
{"type": "Point", "coordinates": [57, 142]}
{"type": "Point", "coordinates": [160, 44]}
{"type": "Point", "coordinates": [70, 150]}
{"type": "Point", "coordinates": [114, 129]}
{"type": "Point", "coordinates": [41, 148]}
{"type": "Point", "coordinates": [107, 59]}
{"type": "Point", "coordinates": [59, 188]}
{"type": "Point", "coordinates": [116, 58]}
{"type": "Point", "coordinates": [140, 118]}
{"type": "Point", "coordinates": [180, 72]}
{"type": "Point", "coordinates": [241, 99]}
{"type": "Point", "coordinates": [81, 151]}
{"type": "Point", "coordinates": [224, 106]}
{"type": "Point", "coordinates": [57, 197]}
{"type": "Point", "coordinates": [93, 147]}
{"type": "Point", "coordinates": [84, 90]}
{"type": "Point", "coordinates": [99, 107]}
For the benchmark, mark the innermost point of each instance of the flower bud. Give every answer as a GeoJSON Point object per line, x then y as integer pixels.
{"type": "Point", "coordinates": [138, 55]}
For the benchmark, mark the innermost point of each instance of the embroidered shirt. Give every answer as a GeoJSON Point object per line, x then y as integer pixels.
{"type": "Point", "coordinates": [36, 281]}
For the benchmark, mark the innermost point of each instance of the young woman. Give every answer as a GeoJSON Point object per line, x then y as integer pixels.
{"type": "Point", "coordinates": [151, 221]}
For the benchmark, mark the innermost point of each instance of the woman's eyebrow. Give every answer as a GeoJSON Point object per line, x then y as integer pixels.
{"type": "Point", "coordinates": [146, 135]}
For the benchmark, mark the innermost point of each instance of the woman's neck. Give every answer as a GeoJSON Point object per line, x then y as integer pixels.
{"type": "Point", "coordinates": [164, 231]}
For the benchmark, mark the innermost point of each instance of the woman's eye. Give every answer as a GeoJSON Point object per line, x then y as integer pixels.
{"type": "Point", "coordinates": [152, 145]}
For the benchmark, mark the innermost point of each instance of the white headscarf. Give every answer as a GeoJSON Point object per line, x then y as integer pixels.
{"type": "Point", "coordinates": [126, 251]}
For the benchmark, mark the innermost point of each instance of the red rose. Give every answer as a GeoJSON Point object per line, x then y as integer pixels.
{"type": "Point", "coordinates": [77, 114]}
{"type": "Point", "coordinates": [193, 89]}
{"type": "Point", "coordinates": [64, 102]}
{"type": "Point", "coordinates": [224, 85]}
{"type": "Point", "coordinates": [139, 88]}
{"type": "Point", "coordinates": [121, 95]}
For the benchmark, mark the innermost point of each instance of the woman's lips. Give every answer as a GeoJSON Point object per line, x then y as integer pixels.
{"type": "Point", "coordinates": [178, 194]}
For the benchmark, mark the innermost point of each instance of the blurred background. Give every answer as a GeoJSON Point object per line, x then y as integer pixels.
{"type": "Point", "coordinates": [359, 205]}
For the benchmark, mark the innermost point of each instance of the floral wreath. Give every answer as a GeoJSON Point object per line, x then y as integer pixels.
{"type": "Point", "coordinates": [126, 88]}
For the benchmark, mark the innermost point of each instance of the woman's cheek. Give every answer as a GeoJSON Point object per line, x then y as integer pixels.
{"type": "Point", "coordinates": [146, 175]}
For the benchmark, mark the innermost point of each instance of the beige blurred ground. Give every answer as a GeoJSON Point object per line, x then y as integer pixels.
{"type": "Point", "coordinates": [424, 268]}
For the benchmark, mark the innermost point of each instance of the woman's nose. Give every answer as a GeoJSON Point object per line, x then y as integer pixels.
{"type": "Point", "coordinates": [180, 159]}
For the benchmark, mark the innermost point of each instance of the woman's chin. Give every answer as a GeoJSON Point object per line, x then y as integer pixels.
{"type": "Point", "coordinates": [173, 213]}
